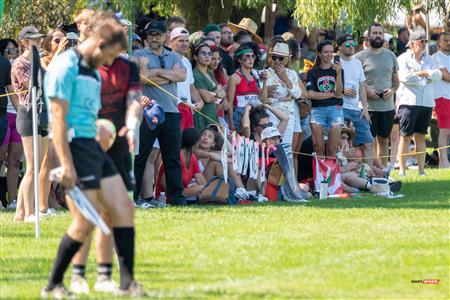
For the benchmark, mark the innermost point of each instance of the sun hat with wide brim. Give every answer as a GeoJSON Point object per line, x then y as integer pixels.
{"type": "Point", "coordinates": [248, 25]}
{"type": "Point", "coordinates": [280, 49]}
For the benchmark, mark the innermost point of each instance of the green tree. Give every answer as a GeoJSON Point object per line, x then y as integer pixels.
{"type": "Point", "coordinates": [357, 13]}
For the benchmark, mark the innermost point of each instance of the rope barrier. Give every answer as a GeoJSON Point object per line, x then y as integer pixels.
{"type": "Point", "coordinates": [301, 153]}
{"type": "Point", "coordinates": [14, 93]}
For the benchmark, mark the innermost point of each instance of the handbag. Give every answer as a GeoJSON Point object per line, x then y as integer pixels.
{"type": "Point", "coordinates": [217, 191]}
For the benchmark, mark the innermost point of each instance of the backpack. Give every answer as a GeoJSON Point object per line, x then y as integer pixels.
{"type": "Point", "coordinates": [216, 191]}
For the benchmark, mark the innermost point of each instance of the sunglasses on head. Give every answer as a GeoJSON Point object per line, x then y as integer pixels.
{"type": "Point", "coordinates": [205, 54]}
{"type": "Point", "coordinates": [352, 44]}
{"type": "Point", "coordinates": [276, 57]}
{"type": "Point", "coordinates": [264, 126]}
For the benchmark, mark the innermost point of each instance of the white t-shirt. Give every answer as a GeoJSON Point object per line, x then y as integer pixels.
{"type": "Point", "coordinates": [184, 87]}
{"type": "Point", "coordinates": [441, 87]}
{"type": "Point", "coordinates": [10, 108]}
{"type": "Point", "coordinates": [353, 76]}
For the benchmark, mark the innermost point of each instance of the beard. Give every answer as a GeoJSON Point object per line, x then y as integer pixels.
{"type": "Point", "coordinates": [376, 43]}
{"type": "Point", "coordinates": [226, 43]}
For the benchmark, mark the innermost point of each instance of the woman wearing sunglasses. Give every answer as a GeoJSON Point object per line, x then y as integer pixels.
{"type": "Point", "coordinates": [325, 89]}
{"type": "Point", "coordinates": [242, 87]}
{"type": "Point", "coordinates": [53, 44]}
{"type": "Point", "coordinates": [210, 91]}
{"type": "Point", "coordinates": [220, 74]}
{"type": "Point", "coordinates": [283, 88]}
{"type": "Point", "coordinates": [11, 144]}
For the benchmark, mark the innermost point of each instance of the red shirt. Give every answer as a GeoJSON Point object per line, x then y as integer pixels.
{"type": "Point", "coordinates": [186, 174]}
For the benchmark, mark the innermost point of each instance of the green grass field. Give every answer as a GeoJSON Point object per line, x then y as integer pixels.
{"type": "Point", "coordinates": [344, 248]}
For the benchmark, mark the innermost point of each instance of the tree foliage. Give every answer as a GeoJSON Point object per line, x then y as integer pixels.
{"type": "Point", "coordinates": [357, 13]}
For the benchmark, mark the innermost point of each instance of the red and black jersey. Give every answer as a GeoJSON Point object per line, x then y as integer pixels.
{"type": "Point", "coordinates": [117, 80]}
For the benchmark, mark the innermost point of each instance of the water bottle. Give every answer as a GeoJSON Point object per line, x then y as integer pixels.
{"type": "Point", "coordinates": [162, 197]}
{"type": "Point", "coordinates": [323, 191]}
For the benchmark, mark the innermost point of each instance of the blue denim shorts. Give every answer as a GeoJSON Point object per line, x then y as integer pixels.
{"type": "Point", "coordinates": [362, 127]}
{"type": "Point", "coordinates": [327, 116]}
{"type": "Point", "coordinates": [238, 112]}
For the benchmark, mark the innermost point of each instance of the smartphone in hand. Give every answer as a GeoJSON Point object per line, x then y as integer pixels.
{"type": "Point", "coordinates": [337, 59]}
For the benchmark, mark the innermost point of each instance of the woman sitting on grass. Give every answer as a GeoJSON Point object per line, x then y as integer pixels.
{"type": "Point", "coordinates": [353, 178]}
{"type": "Point", "coordinates": [208, 151]}
{"type": "Point", "coordinates": [192, 178]}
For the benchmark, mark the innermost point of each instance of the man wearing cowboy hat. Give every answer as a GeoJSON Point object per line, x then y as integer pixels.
{"type": "Point", "coordinates": [248, 25]}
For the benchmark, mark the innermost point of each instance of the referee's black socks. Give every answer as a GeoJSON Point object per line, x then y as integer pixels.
{"type": "Point", "coordinates": [124, 241]}
{"type": "Point", "coordinates": [66, 251]}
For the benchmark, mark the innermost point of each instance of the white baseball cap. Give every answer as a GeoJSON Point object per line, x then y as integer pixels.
{"type": "Point", "coordinates": [270, 132]}
{"type": "Point", "coordinates": [177, 32]}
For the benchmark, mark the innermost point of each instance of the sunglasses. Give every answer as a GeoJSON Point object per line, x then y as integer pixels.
{"type": "Point", "coordinates": [11, 50]}
{"type": "Point", "coordinates": [205, 54]}
{"type": "Point", "coordinates": [276, 57]}
{"type": "Point", "coordinates": [264, 126]}
{"type": "Point", "coordinates": [422, 41]}
{"type": "Point", "coordinates": [348, 44]}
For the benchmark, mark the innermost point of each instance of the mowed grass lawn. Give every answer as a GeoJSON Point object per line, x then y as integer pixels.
{"type": "Point", "coordinates": [344, 248]}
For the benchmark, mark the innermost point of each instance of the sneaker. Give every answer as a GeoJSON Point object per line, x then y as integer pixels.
{"type": "Point", "coordinates": [261, 198]}
{"type": "Point", "coordinates": [135, 290]}
{"type": "Point", "coordinates": [423, 174]}
{"type": "Point", "coordinates": [79, 285]}
{"type": "Point", "coordinates": [401, 174]}
{"type": "Point", "coordinates": [50, 213]}
{"type": "Point", "coordinates": [241, 193]}
{"type": "Point", "coordinates": [58, 292]}
{"type": "Point", "coordinates": [12, 205]}
{"type": "Point", "coordinates": [30, 219]}
{"type": "Point", "coordinates": [157, 203]}
{"type": "Point", "coordinates": [395, 186]}
{"type": "Point", "coordinates": [252, 193]}
{"type": "Point", "coordinates": [104, 284]}
{"type": "Point", "coordinates": [142, 203]}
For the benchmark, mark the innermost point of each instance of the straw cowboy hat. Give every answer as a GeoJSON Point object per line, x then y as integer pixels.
{"type": "Point", "coordinates": [248, 25]}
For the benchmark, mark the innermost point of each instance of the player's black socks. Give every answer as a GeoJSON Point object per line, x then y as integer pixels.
{"type": "Point", "coordinates": [79, 270]}
{"type": "Point", "coordinates": [67, 249]}
{"type": "Point", "coordinates": [104, 270]}
{"type": "Point", "coordinates": [124, 240]}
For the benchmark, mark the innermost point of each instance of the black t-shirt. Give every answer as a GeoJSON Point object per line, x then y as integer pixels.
{"type": "Point", "coordinates": [323, 81]}
{"type": "Point", "coordinates": [401, 48]}
{"type": "Point", "coordinates": [5, 80]}
{"type": "Point", "coordinates": [227, 62]}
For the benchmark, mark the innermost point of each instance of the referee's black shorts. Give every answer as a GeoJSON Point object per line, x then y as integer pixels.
{"type": "Point", "coordinates": [91, 163]}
